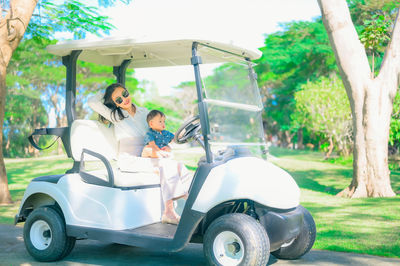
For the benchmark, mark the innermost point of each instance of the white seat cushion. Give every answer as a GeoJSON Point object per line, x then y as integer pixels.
{"type": "Point", "coordinates": [129, 163]}
{"type": "Point", "coordinates": [128, 179]}
{"type": "Point", "coordinates": [93, 136]}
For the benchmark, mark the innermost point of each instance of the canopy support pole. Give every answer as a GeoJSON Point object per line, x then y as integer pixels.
{"type": "Point", "coordinates": [196, 60]}
{"type": "Point", "coordinates": [69, 62]}
{"type": "Point", "coordinates": [120, 71]}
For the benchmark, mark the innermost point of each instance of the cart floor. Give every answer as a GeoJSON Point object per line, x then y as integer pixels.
{"type": "Point", "coordinates": [157, 230]}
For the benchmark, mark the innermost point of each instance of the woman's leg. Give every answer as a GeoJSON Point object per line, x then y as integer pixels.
{"type": "Point", "coordinates": [173, 186]}
{"type": "Point", "coordinates": [169, 215]}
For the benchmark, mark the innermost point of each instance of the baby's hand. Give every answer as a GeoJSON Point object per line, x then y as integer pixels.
{"type": "Point", "coordinates": [166, 148]}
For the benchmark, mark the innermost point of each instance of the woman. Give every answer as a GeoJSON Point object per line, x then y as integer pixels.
{"type": "Point", "coordinates": [130, 127]}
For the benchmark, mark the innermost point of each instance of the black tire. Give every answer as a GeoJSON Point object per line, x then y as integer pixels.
{"type": "Point", "coordinates": [45, 236]}
{"type": "Point", "coordinates": [69, 246]}
{"type": "Point", "coordinates": [70, 240]}
{"type": "Point", "coordinates": [249, 243]}
{"type": "Point", "coordinates": [304, 241]}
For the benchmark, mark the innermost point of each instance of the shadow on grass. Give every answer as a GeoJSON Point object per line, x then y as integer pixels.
{"type": "Point", "coordinates": [330, 181]}
{"type": "Point", "coordinates": [299, 154]}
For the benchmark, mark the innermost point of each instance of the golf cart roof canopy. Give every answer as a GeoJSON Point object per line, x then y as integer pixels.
{"type": "Point", "coordinates": [112, 52]}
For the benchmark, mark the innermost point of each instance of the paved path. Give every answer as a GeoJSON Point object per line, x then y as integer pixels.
{"type": "Point", "coordinates": [89, 252]}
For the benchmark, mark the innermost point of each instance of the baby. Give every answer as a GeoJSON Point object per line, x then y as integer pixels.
{"type": "Point", "coordinates": [157, 138]}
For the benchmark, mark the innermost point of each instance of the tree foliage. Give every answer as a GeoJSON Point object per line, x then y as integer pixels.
{"type": "Point", "coordinates": [24, 111]}
{"type": "Point", "coordinates": [322, 107]}
{"type": "Point", "coordinates": [375, 33]}
{"type": "Point", "coordinates": [374, 22]}
{"type": "Point", "coordinates": [394, 137]}
{"type": "Point", "coordinates": [70, 16]}
{"type": "Point", "coordinates": [291, 57]}
{"type": "Point", "coordinates": [36, 78]}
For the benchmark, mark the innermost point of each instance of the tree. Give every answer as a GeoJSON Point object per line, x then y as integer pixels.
{"type": "Point", "coordinates": [70, 15]}
{"type": "Point", "coordinates": [12, 29]}
{"type": "Point", "coordinates": [323, 108]}
{"type": "Point", "coordinates": [375, 36]}
{"type": "Point", "coordinates": [371, 99]}
{"type": "Point", "coordinates": [24, 112]}
{"type": "Point", "coordinates": [291, 57]}
{"type": "Point", "coordinates": [394, 136]}
{"type": "Point", "coordinates": [177, 107]}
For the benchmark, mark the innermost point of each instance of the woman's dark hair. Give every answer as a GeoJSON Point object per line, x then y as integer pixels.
{"type": "Point", "coordinates": [108, 101]}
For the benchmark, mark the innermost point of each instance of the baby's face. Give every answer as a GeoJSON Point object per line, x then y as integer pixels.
{"type": "Point", "coordinates": [157, 123]}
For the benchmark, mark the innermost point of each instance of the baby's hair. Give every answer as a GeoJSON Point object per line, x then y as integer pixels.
{"type": "Point", "coordinates": [154, 113]}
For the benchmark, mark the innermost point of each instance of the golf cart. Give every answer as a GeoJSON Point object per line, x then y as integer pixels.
{"type": "Point", "coordinates": [240, 206]}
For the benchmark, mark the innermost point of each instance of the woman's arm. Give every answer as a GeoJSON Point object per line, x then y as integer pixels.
{"type": "Point", "coordinates": [96, 103]}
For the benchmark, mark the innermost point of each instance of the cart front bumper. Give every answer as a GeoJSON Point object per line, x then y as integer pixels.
{"type": "Point", "coordinates": [282, 226]}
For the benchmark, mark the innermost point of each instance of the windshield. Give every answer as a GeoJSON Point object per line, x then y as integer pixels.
{"type": "Point", "coordinates": [233, 101]}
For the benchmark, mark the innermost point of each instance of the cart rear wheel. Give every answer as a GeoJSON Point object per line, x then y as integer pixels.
{"type": "Point", "coordinates": [299, 246]}
{"type": "Point", "coordinates": [234, 239]}
{"type": "Point", "coordinates": [45, 237]}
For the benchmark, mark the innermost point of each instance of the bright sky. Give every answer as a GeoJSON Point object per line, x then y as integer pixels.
{"type": "Point", "coordinates": [241, 22]}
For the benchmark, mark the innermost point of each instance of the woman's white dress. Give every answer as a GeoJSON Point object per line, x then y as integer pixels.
{"type": "Point", "coordinates": [175, 179]}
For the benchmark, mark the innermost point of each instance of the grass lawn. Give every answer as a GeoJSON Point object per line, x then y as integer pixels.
{"type": "Point", "coordinates": [370, 226]}
{"type": "Point", "coordinates": [21, 171]}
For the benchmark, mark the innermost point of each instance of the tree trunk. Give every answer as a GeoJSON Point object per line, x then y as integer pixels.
{"type": "Point", "coordinates": [371, 100]}
{"type": "Point", "coordinates": [5, 197]}
{"type": "Point", "coordinates": [371, 176]}
{"type": "Point", "coordinates": [12, 29]}
{"type": "Point", "coordinates": [300, 144]}
{"type": "Point", "coordinates": [330, 149]}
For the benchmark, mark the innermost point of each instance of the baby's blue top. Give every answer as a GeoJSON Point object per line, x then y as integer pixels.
{"type": "Point", "coordinates": [161, 139]}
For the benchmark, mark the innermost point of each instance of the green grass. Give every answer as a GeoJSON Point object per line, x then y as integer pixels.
{"type": "Point", "coordinates": [370, 226]}
{"type": "Point", "coordinates": [21, 171]}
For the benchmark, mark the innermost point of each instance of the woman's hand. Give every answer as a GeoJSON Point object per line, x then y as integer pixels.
{"type": "Point", "coordinates": [164, 154]}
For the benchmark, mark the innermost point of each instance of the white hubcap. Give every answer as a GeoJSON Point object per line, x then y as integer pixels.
{"type": "Point", "coordinates": [40, 234]}
{"type": "Point", "coordinates": [228, 248]}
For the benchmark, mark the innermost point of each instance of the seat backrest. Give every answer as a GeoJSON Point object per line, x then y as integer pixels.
{"type": "Point", "coordinates": [94, 136]}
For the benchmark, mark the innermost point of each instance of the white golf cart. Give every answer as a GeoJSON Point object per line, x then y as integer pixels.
{"type": "Point", "coordinates": [240, 206]}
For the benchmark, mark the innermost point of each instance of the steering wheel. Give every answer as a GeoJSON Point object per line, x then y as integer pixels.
{"type": "Point", "coordinates": [189, 129]}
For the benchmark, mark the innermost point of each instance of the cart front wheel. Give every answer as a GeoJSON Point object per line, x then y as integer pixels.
{"type": "Point", "coordinates": [44, 235]}
{"type": "Point", "coordinates": [234, 239]}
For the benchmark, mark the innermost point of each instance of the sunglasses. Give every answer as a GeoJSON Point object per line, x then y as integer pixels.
{"type": "Point", "coordinates": [125, 94]}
